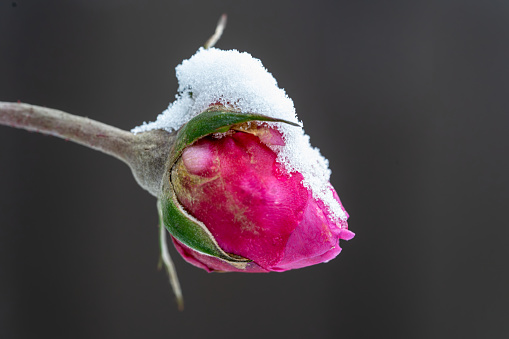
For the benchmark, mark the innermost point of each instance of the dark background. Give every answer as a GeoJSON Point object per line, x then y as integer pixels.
{"type": "Point", "coordinates": [408, 101]}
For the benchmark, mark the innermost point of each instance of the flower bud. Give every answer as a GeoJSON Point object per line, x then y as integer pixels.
{"type": "Point", "coordinates": [231, 206]}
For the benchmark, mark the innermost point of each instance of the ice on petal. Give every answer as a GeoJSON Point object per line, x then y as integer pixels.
{"type": "Point", "coordinates": [237, 79]}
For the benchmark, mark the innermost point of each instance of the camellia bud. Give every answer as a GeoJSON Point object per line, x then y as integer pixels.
{"type": "Point", "coordinates": [230, 206]}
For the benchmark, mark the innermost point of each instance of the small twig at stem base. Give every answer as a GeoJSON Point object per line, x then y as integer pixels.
{"type": "Point", "coordinates": [221, 24]}
{"type": "Point", "coordinates": [168, 263]}
{"type": "Point", "coordinates": [146, 153]}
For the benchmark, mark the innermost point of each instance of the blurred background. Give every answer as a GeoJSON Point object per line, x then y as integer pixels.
{"type": "Point", "coordinates": [407, 101]}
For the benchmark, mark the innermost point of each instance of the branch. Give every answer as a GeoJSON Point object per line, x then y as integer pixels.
{"type": "Point", "coordinates": [84, 131]}
{"type": "Point", "coordinates": [145, 153]}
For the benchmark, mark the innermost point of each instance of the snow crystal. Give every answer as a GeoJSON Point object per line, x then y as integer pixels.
{"type": "Point", "coordinates": [239, 80]}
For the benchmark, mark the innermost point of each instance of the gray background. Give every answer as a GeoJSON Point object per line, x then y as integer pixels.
{"type": "Point", "coordinates": [407, 100]}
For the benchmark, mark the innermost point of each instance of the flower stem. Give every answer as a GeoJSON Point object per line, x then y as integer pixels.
{"type": "Point", "coordinates": [145, 153]}
{"type": "Point", "coordinates": [84, 131]}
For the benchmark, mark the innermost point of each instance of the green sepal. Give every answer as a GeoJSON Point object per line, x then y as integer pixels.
{"type": "Point", "coordinates": [192, 232]}
{"type": "Point", "coordinates": [212, 121]}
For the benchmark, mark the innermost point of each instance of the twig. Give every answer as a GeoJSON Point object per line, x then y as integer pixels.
{"type": "Point", "coordinates": [146, 153]}
{"type": "Point", "coordinates": [84, 131]}
{"type": "Point", "coordinates": [221, 24]}
{"type": "Point", "coordinates": [168, 263]}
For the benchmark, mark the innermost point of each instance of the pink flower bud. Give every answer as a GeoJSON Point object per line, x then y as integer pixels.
{"type": "Point", "coordinates": [252, 206]}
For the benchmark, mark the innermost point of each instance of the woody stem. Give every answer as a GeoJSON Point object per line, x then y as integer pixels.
{"type": "Point", "coordinates": [146, 153]}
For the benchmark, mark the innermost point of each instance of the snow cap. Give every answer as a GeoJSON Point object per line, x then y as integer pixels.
{"type": "Point", "coordinates": [238, 80]}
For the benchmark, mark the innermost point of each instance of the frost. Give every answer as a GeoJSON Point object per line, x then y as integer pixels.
{"type": "Point", "coordinates": [237, 79]}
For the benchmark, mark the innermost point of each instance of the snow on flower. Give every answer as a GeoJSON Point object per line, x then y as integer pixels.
{"type": "Point", "coordinates": [239, 81]}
